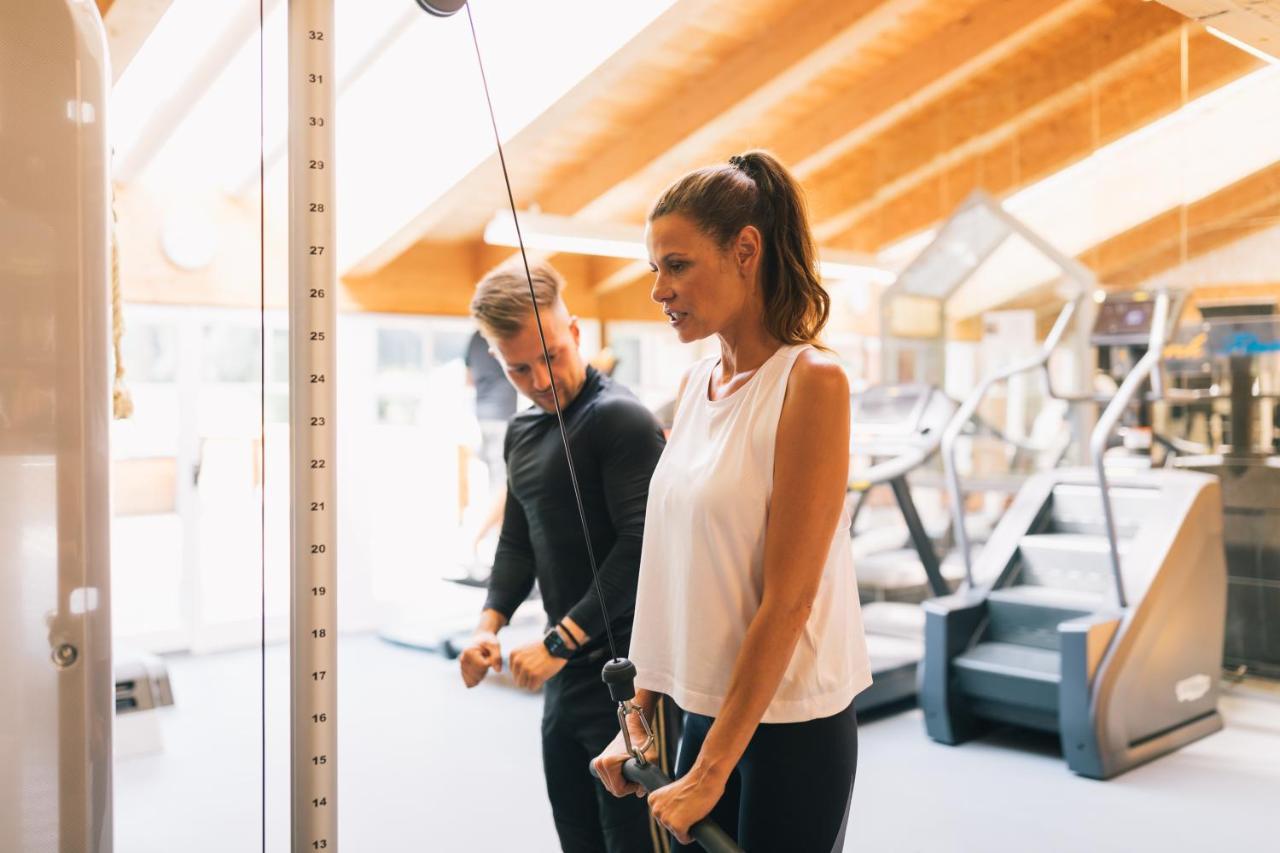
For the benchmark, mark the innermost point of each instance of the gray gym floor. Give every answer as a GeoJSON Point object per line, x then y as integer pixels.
{"type": "Point", "coordinates": [427, 765]}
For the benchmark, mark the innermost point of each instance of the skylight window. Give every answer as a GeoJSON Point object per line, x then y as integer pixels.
{"type": "Point", "coordinates": [411, 118]}
{"type": "Point", "coordinates": [1206, 145]}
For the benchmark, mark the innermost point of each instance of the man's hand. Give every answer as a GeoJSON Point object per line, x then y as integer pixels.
{"type": "Point", "coordinates": [477, 659]}
{"type": "Point", "coordinates": [532, 665]}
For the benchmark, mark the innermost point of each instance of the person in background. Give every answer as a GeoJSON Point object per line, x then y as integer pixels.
{"type": "Point", "coordinates": [495, 404]}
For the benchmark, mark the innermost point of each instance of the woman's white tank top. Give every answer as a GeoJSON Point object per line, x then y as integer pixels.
{"type": "Point", "coordinates": [701, 568]}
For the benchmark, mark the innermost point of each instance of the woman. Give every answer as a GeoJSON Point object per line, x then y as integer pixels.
{"type": "Point", "coordinates": [747, 610]}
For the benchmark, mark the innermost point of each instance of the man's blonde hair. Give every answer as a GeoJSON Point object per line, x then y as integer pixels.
{"type": "Point", "coordinates": [501, 305]}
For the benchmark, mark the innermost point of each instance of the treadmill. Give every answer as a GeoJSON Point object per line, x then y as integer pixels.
{"type": "Point", "coordinates": [897, 428]}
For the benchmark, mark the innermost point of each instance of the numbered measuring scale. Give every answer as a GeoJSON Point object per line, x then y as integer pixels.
{"type": "Point", "coordinates": [313, 422]}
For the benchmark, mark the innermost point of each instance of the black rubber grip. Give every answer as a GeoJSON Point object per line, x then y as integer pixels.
{"type": "Point", "coordinates": [706, 832]}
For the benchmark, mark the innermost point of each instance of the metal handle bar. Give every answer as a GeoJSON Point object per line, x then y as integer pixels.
{"type": "Point", "coordinates": [862, 479]}
{"type": "Point", "coordinates": [967, 409]}
{"type": "Point", "coordinates": [706, 831]}
{"type": "Point", "coordinates": [1013, 441]}
{"type": "Point", "coordinates": [1111, 416]}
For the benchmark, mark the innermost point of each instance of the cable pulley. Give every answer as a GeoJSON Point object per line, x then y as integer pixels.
{"type": "Point", "coordinates": [441, 8]}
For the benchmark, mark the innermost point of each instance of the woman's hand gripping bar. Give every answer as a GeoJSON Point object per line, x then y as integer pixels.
{"type": "Point", "coordinates": [620, 674]}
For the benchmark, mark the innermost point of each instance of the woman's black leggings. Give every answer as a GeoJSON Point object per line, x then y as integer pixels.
{"type": "Point", "coordinates": [792, 790]}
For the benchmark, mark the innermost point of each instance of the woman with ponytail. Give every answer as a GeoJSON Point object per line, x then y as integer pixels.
{"type": "Point", "coordinates": [747, 608]}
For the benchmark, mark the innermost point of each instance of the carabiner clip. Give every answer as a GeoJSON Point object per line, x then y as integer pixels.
{"type": "Point", "coordinates": [625, 709]}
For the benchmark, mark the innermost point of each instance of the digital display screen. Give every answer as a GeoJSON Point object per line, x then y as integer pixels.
{"type": "Point", "coordinates": [1124, 319]}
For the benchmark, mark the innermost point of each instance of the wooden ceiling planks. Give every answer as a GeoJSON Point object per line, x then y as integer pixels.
{"type": "Point", "coordinates": [923, 71]}
{"type": "Point", "coordinates": [710, 117]}
{"type": "Point", "coordinates": [1020, 148]}
{"type": "Point", "coordinates": [890, 111]}
{"type": "Point", "coordinates": [982, 123]}
{"type": "Point", "coordinates": [1180, 234]}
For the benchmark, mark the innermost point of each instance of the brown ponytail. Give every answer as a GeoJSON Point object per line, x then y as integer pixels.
{"type": "Point", "coordinates": [755, 189]}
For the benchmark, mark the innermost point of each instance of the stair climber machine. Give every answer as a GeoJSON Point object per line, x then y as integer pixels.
{"type": "Point", "coordinates": [1101, 613]}
{"type": "Point", "coordinates": [898, 428]}
{"type": "Point", "coordinates": [1234, 354]}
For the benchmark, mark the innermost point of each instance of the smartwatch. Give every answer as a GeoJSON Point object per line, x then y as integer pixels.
{"type": "Point", "coordinates": [556, 645]}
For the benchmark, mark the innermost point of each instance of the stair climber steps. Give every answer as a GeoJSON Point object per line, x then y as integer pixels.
{"type": "Point", "coordinates": [1071, 561]}
{"type": "Point", "coordinates": [998, 673]}
{"type": "Point", "coordinates": [1077, 508]}
{"type": "Point", "coordinates": [1029, 615]}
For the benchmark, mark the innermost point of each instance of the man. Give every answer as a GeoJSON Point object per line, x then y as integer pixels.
{"type": "Point", "coordinates": [616, 443]}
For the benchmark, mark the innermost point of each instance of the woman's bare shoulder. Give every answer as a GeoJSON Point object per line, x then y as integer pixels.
{"type": "Point", "coordinates": [818, 375]}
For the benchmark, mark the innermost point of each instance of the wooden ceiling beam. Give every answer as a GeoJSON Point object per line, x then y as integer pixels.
{"type": "Point", "coordinates": [995, 120]}
{"type": "Point", "coordinates": [1002, 141]}
{"type": "Point", "coordinates": [440, 279]}
{"type": "Point", "coordinates": [619, 184]}
{"type": "Point", "coordinates": [927, 71]}
{"type": "Point", "coordinates": [631, 273]}
{"type": "Point", "coordinates": [931, 66]}
{"type": "Point", "coordinates": [430, 278]}
{"type": "Point", "coordinates": [994, 107]}
{"type": "Point", "coordinates": [629, 303]}
{"type": "Point", "coordinates": [1158, 244]}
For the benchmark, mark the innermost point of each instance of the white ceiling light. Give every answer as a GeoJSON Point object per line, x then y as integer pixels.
{"type": "Point", "coordinates": [547, 233]}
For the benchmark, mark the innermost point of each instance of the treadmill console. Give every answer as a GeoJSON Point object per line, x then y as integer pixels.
{"type": "Point", "coordinates": [1123, 321]}
{"type": "Point", "coordinates": [890, 409]}
{"type": "Point", "coordinates": [889, 420]}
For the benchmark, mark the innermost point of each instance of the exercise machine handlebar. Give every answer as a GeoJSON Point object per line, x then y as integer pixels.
{"type": "Point", "coordinates": [1147, 367]}
{"type": "Point", "coordinates": [706, 832]}
{"type": "Point", "coordinates": [965, 413]}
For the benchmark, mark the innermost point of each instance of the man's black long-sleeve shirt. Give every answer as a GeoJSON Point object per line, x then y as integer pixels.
{"type": "Point", "coordinates": [616, 443]}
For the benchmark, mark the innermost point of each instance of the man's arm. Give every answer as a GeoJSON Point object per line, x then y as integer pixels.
{"type": "Point", "coordinates": [513, 573]}
{"type": "Point", "coordinates": [628, 441]}
{"type": "Point", "coordinates": [509, 585]}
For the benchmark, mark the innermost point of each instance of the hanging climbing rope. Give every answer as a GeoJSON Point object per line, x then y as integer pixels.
{"type": "Point", "coordinates": [121, 399]}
